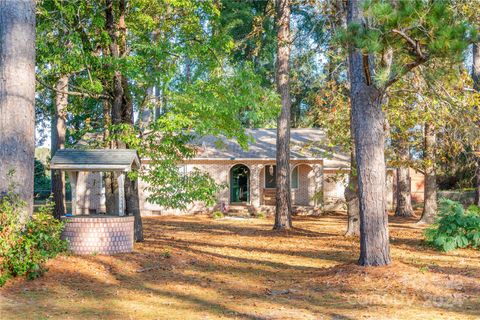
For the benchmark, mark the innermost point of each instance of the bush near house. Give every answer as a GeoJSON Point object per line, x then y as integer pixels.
{"type": "Point", "coordinates": [455, 227]}
{"type": "Point", "coordinates": [26, 243]}
{"type": "Point", "coordinates": [217, 215]}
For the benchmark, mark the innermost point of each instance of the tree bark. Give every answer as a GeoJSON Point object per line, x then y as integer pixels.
{"type": "Point", "coordinates": [17, 98]}
{"type": "Point", "coordinates": [132, 198]}
{"type": "Point", "coordinates": [368, 120]}
{"type": "Point", "coordinates": [58, 133]}
{"type": "Point", "coordinates": [351, 196]}
{"type": "Point", "coordinates": [121, 105]}
{"type": "Point", "coordinates": [283, 213]}
{"type": "Point", "coordinates": [403, 194]}
{"type": "Point", "coordinates": [476, 85]}
{"type": "Point", "coordinates": [430, 201]}
{"type": "Point", "coordinates": [114, 106]}
{"type": "Point", "coordinates": [351, 192]}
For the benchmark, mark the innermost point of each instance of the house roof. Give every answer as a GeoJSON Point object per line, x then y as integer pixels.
{"type": "Point", "coordinates": [95, 160]}
{"type": "Point", "coordinates": [305, 144]}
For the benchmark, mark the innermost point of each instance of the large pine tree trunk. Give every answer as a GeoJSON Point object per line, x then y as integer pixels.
{"type": "Point", "coordinates": [283, 213]}
{"type": "Point", "coordinates": [368, 121]}
{"type": "Point", "coordinates": [476, 84]}
{"type": "Point", "coordinates": [403, 194]}
{"type": "Point", "coordinates": [58, 133]}
{"type": "Point", "coordinates": [17, 97]}
{"type": "Point", "coordinates": [430, 201]}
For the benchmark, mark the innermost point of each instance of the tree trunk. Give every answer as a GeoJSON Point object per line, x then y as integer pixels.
{"type": "Point", "coordinates": [283, 213]}
{"type": "Point", "coordinates": [351, 196]}
{"type": "Point", "coordinates": [368, 121]}
{"type": "Point", "coordinates": [122, 107]}
{"type": "Point", "coordinates": [403, 194]}
{"type": "Point", "coordinates": [115, 106]}
{"type": "Point", "coordinates": [132, 198]}
{"type": "Point", "coordinates": [17, 98]}
{"type": "Point", "coordinates": [58, 133]}
{"type": "Point", "coordinates": [351, 192]}
{"type": "Point", "coordinates": [476, 85]}
{"type": "Point", "coordinates": [430, 201]}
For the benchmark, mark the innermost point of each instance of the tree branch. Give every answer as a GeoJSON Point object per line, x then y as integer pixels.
{"type": "Point", "coordinates": [413, 43]}
{"type": "Point", "coordinates": [74, 93]}
{"type": "Point", "coordinates": [396, 76]}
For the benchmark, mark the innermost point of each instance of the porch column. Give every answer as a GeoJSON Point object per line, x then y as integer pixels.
{"type": "Point", "coordinates": [72, 176]}
{"type": "Point", "coordinates": [255, 184]}
{"type": "Point", "coordinates": [121, 194]}
{"type": "Point", "coordinates": [317, 200]}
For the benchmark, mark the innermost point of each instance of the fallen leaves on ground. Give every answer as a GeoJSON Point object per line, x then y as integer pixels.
{"type": "Point", "coordinates": [198, 268]}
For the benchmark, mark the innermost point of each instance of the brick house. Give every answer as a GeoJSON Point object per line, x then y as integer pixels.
{"type": "Point", "coordinates": [318, 175]}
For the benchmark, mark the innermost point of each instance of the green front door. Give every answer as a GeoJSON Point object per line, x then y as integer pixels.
{"type": "Point", "coordinates": [240, 184]}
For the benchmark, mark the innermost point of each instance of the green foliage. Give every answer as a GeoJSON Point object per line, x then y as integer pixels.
{"type": "Point", "coordinates": [217, 215]}
{"type": "Point", "coordinates": [41, 181]}
{"type": "Point", "coordinates": [226, 102]}
{"type": "Point", "coordinates": [166, 253]}
{"type": "Point", "coordinates": [332, 113]}
{"type": "Point", "coordinates": [219, 105]}
{"type": "Point", "coordinates": [26, 243]}
{"type": "Point", "coordinates": [260, 215]}
{"type": "Point", "coordinates": [455, 227]}
{"type": "Point", "coordinates": [415, 30]}
{"type": "Point", "coordinates": [217, 95]}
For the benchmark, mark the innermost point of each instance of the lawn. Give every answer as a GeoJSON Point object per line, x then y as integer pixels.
{"type": "Point", "coordinates": [199, 268]}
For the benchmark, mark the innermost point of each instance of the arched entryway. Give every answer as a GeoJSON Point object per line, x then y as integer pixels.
{"type": "Point", "coordinates": [239, 184]}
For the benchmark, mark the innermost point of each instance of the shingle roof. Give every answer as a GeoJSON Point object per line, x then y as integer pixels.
{"type": "Point", "coordinates": [304, 144]}
{"type": "Point", "coordinates": [95, 160]}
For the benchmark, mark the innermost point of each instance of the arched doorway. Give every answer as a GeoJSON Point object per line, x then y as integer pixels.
{"type": "Point", "coordinates": [239, 184]}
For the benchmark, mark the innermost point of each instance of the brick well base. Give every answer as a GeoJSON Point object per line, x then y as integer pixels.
{"type": "Point", "coordinates": [99, 234]}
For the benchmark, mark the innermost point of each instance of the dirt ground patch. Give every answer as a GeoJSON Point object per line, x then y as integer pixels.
{"type": "Point", "coordinates": [199, 268]}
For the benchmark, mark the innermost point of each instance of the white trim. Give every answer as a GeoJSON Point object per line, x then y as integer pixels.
{"type": "Point", "coordinates": [91, 167]}
{"type": "Point", "coordinates": [244, 159]}
{"type": "Point", "coordinates": [121, 194]}
{"type": "Point", "coordinates": [251, 159]}
{"type": "Point", "coordinates": [235, 164]}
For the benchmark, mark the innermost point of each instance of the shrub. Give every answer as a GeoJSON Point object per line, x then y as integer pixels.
{"type": "Point", "coordinates": [455, 227]}
{"type": "Point", "coordinates": [26, 243]}
{"type": "Point", "coordinates": [260, 215]}
{"type": "Point", "coordinates": [217, 215]}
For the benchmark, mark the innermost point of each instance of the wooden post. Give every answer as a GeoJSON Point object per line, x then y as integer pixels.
{"type": "Point", "coordinates": [121, 194]}
{"type": "Point", "coordinates": [72, 175]}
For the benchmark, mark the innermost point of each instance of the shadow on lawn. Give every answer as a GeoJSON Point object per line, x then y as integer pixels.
{"type": "Point", "coordinates": [239, 280]}
{"type": "Point", "coordinates": [336, 256]}
{"type": "Point", "coordinates": [105, 294]}
{"type": "Point", "coordinates": [221, 229]}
